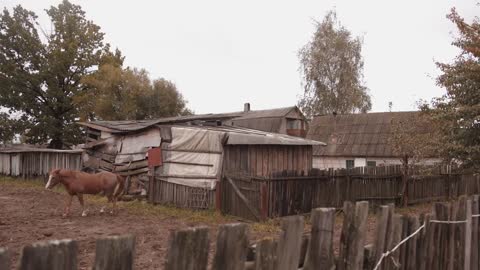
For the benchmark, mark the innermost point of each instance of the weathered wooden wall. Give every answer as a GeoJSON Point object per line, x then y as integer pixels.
{"type": "Point", "coordinates": [163, 192]}
{"type": "Point", "coordinates": [258, 198]}
{"type": "Point", "coordinates": [266, 160]}
{"type": "Point", "coordinates": [36, 163]}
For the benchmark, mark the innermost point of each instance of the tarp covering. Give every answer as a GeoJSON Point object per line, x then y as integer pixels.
{"type": "Point", "coordinates": [193, 158]}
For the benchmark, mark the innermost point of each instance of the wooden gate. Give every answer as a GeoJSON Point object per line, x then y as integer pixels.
{"type": "Point", "coordinates": [241, 196]}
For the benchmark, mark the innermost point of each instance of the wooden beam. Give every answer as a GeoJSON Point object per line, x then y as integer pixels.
{"type": "Point", "coordinates": [189, 163]}
{"type": "Point", "coordinates": [185, 176]}
{"type": "Point", "coordinates": [192, 151]}
{"type": "Point", "coordinates": [134, 172]}
{"type": "Point", "coordinates": [132, 166]}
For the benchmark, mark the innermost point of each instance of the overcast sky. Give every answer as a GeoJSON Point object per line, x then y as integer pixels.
{"type": "Point", "coordinates": [221, 54]}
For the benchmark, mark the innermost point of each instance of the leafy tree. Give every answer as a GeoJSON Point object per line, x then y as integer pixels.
{"type": "Point", "coordinates": [9, 128]}
{"type": "Point", "coordinates": [413, 138]}
{"type": "Point", "coordinates": [332, 69]}
{"type": "Point", "coordinates": [128, 94]}
{"type": "Point", "coordinates": [39, 78]}
{"type": "Point", "coordinates": [459, 108]}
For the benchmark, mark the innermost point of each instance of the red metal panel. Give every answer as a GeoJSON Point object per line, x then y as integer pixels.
{"type": "Point", "coordinates": [155, 157]}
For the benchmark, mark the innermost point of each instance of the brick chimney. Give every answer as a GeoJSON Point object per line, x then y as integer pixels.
{"type": "Point", "coordinates": [246, 107]}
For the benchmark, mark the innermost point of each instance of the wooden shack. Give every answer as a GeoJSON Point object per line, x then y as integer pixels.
{"type": "Point", "coordinates": [28, 162]}
{"type": "Point", "coordinates": [192, 159]}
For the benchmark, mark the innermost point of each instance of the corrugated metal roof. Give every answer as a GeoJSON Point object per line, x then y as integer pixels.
{"type": "Point", "coordinates": [134, 125]}
{"type": "Point", "coordinates": [356, 135]}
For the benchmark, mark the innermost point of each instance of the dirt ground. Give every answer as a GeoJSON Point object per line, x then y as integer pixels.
{"type": "Point", "coordinates": [29, 214]}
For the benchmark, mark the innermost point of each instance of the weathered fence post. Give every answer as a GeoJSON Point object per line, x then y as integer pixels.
{"type": "Point", "coordinates": [428, 238]}
{"type": "Point", "coordinates": [384, 233]}
{"type": "Point", "coordinates": [265, 255]}
{"type": "Point", "coordinates": [468, 235]}
{"type": "Point", "coordinates": [395, 239]}
{"type": "Point", "coordinates": [115, 253]}
{"type": "Point", "coordinates": [4, 259]}
{"type": "Point", "coordinates": [51, 255]}
{"type": "Point", "coordinates": [188, 249]}
{"type": "Point", "coordinates": [440, 256]}
{"type": "Point", "coordinates": [413, 225]}
{"type": "Point", "coordinates": [320, 248]}
{"type": "Point", "coordinates": [289, 243]}
{"type": "Point", "coordinates": [232, 243]}
{"type": "Point", "coordinates": [352, 239]}
{"type": "Point", "coordinates": [264, 200]}
{"type": "Point", "coordinates": [474, 262]}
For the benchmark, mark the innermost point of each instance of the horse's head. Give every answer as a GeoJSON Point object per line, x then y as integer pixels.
{"type": "Point", "coordinates": [53, 179]}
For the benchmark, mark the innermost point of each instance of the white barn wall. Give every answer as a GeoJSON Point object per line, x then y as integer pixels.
{"type": "Point", "coordinates": [341, 162]}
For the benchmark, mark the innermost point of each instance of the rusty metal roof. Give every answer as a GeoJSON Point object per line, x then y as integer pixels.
{"type": "Point", "coordinates": [355, 135]}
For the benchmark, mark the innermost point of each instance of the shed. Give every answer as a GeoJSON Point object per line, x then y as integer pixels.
{"type": "Point", "coordinates": [194, 159]}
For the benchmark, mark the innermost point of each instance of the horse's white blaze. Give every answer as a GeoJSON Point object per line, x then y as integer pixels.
{"type": "Point", "coordinates": [49, 182]}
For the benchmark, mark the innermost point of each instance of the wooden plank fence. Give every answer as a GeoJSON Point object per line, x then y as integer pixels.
{"type": "Point", "coordinates": [259, 198]}
{"type": "Point", "coordinates": [446, 238]}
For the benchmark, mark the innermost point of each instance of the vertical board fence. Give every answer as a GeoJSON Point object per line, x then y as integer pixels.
{"type": "Point", "coordinates": [259, 198]}
{"type": "Point", "coordinates": [33, 162]}
{"type": "Point", "coordinates": [446, 238]}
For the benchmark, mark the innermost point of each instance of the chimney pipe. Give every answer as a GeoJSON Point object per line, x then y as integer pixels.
{"type": "Point", "coordinates": [246, 107]}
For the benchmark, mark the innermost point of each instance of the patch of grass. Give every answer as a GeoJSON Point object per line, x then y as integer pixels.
{"type": "Point", "coordinates": [268, 226]}
{"type": "Point", "coordinates": [20, 182]}
{"type": "Point", "coordinates": [36, 184]}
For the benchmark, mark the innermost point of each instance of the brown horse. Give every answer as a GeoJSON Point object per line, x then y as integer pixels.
{"type": "Point", "coordinates": [78, 183]}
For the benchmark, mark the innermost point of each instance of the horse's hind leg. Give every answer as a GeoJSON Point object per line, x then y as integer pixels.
{"type": "Point", "coordinates": [112, 199]}
{"type": "Point", "coordinates": [102, 210]}
{"type": "Point", "coordinates": [67, 206]}
{"type": "Point", "coordinates": [80, 199]}
{"type": "Point", "coordinates": [114, 202]}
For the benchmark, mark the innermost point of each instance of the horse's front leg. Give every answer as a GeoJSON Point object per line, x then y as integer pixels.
{"type": "Point", "coordinates": [80, 199]}
{"type": "Point", "coordinates": [67, 205]}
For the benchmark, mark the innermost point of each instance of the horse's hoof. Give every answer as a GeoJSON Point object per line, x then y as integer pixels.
{"type": "Point", "coordinates": [84, 214]}
{"type": "Point", "coordinates": [64, 215]}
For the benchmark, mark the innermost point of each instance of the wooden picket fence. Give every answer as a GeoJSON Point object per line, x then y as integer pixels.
{"type": "Point", "coordinates": [446, 238]}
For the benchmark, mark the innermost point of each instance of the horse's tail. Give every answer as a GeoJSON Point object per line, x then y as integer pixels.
{"type": "Point", "coordinates": [120, 186]}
